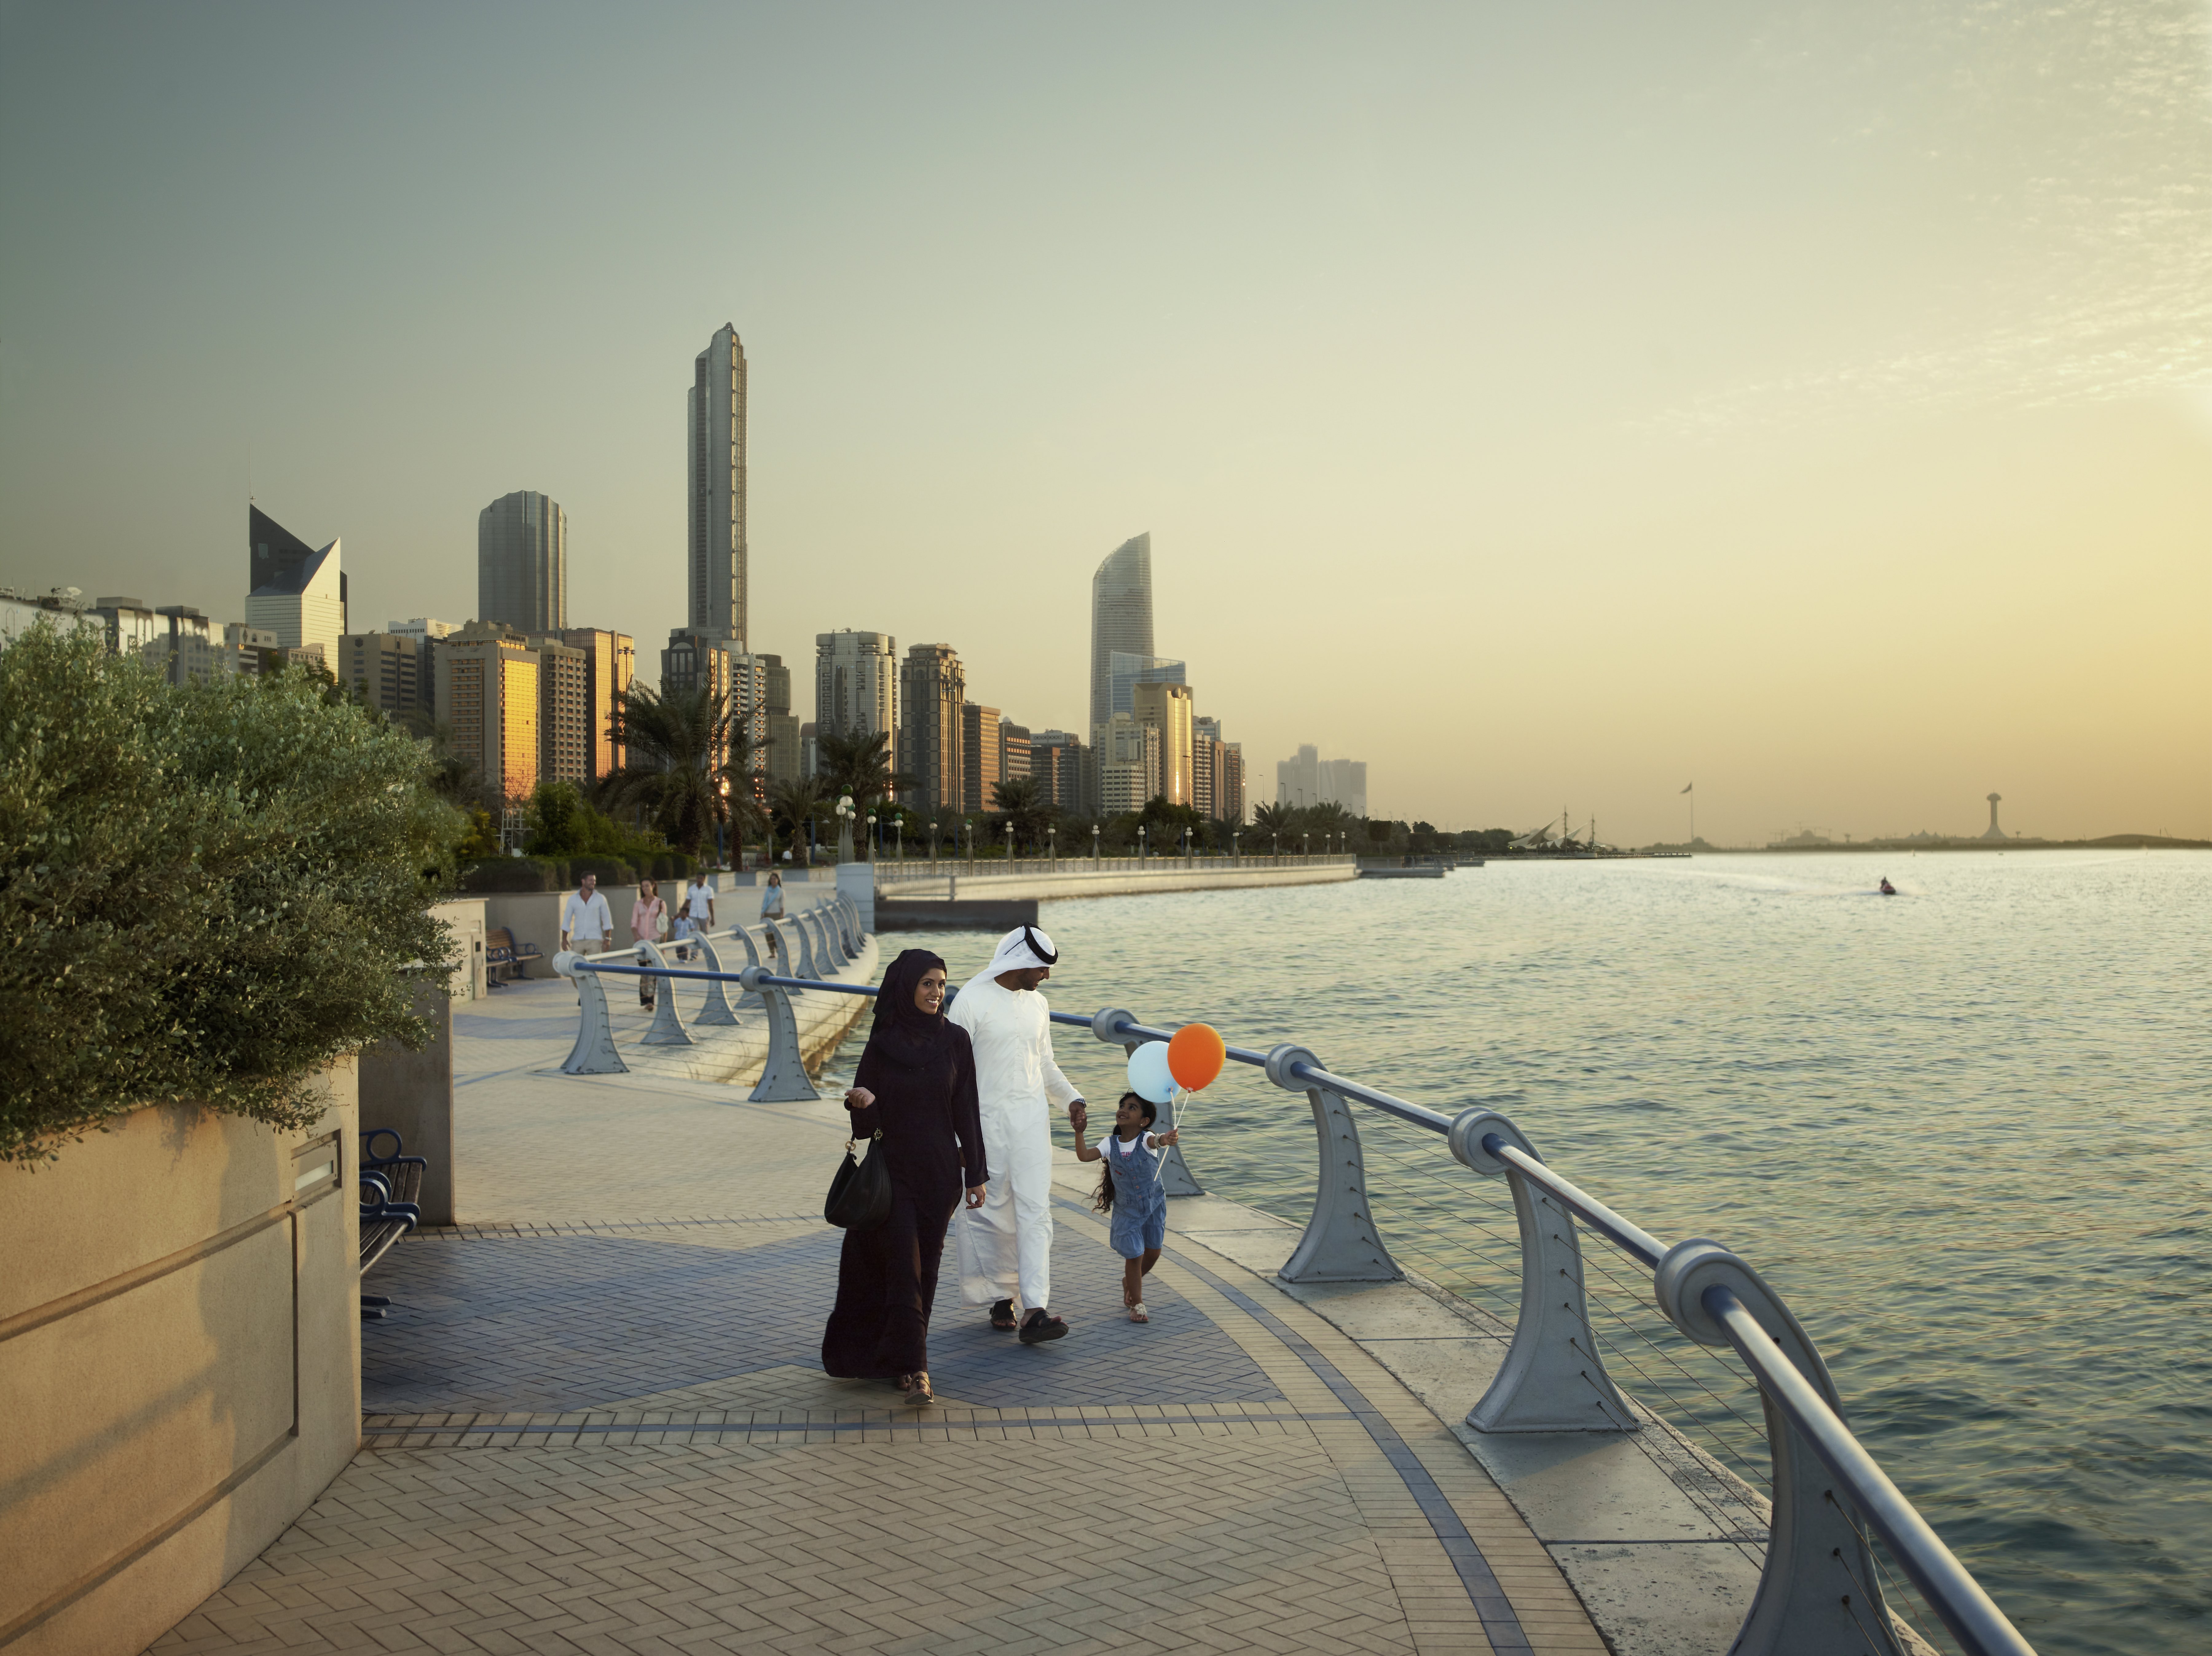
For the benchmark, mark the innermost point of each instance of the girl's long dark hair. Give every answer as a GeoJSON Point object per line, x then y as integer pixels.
{"type": "Point", "coordinates": [1104, 1201]}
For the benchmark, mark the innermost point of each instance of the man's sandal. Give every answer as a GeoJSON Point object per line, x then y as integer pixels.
{"type": "Point", "coordinates": [916, 1388]}
{"type": "Point", "coordinates": [1138, 1313]}
{"type": "Point", "coordinates": [1002, 1317]}
{"type": "Point", "coordinates": [1042, 1326]}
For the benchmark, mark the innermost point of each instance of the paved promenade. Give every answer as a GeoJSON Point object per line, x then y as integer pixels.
{"type": "Point", "coordinates": [596, 1422]}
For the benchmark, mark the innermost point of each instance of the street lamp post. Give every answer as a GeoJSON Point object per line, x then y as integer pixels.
{"type": "Point", "coordinates": [1236, 858]}
{"type": "Point", "coordinates": [1010, 842]}
{"type": "Point", "coordinates": [1140, 842]}
{"type": "Point", "coordinates": [872, 846]}
{"type": "Point", "coordinates": [1052, 846]}
{"type": "Point", "coordinates": [721, 819]}
{"type": "Point", "coordinates": [845, 828]}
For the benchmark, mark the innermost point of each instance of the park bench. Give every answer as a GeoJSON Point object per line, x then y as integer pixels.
{"type": "Point", "coordinates": [501, 950]}
{"type": "Point", "coordinates": [390, 1187]}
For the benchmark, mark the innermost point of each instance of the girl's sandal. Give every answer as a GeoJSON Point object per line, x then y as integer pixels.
{"type": "Point", "coordinates": [916, 1387]}
{"type": "Point", "coordinates": [1138, 1313]}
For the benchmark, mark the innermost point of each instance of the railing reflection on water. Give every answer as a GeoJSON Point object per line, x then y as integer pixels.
{"type": "Point", "coordinates": [1848, 1557]}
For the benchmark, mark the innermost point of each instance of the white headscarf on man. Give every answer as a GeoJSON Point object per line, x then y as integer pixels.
{"type": "Point", "coordinates": [1023, 949]}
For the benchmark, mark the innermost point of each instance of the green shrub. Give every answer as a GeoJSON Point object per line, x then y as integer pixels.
{"type": "Point", "coordinates": [209, 892]}
{"type": "Point", "coordinates": [515, 874]}
{"type": "Point", "coordinates": [611, 870]}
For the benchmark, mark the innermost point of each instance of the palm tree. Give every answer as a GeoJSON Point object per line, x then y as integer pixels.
{"type": "Point", "coordinates": [680, 747]}
{"type": "Point", "coordinates": [857, 762]}
{"type": "Point", "coordinates": [797, 804]}
{"type": "Point", "coordinates": [1021, 801]}
{"type": "Point", "coordinates": [1274, 821]}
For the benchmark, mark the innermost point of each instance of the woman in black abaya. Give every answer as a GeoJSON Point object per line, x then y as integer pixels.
{"type": "Point", "coordinates": [916, 1085]}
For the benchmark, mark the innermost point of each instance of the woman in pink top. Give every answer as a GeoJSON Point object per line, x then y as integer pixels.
{"type": "Point", "coordinates": [647, 916]}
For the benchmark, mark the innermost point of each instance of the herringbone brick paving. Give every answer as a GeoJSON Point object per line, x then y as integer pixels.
{"type": "Point", "coordinates": [600, 1429]}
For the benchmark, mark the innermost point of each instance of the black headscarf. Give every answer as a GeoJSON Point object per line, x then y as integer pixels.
{"type": "Point", "coordinates": [903, 1032]}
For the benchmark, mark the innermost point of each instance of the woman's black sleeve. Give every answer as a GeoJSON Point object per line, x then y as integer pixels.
{"type": "Point", "coordinates": [868, 1074]}
{"type": "Point", "coordinates": [968, 1113]}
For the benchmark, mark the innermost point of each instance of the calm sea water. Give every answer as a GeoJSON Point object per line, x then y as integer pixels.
{"type": "Point", "coordinates": [1963, 1130]}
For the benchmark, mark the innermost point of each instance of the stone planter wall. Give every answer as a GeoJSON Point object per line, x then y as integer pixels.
{"type": "Point", "coordinates": [180, 1359]}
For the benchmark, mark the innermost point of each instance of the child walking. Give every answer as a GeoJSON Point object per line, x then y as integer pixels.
{"type": "Point", "coordinates": [1129, 1189]}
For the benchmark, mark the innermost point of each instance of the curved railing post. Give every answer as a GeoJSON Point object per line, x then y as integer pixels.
{"type": "Point", "coordinates": [783, 1073]}
{"type": "Point", "coordinates": [791, 962]}
{"type": "Point", "coordinates": [667, 1029]}
{"type": "Point", "coordinates": [828, 955]}
{"type": "Point", "coordinates": [594, 1053]}
{"type": "Point", "coordinates": [844, 927]}
{"type": "Point", "coordinates": [1340, 1244]}
{"type": "Point", "coordinates": [717, 1009]}
{"type": "Point", "coordinates": [743, 935]}
{"type": "Point", "coordinates": [1175, 1178]}
{"type": "Point", "coordinates": [1818, 1594]}
{"type": "Point", "coordinates": [1553, 1379]}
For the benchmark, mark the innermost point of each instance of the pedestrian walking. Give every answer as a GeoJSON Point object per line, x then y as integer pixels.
{"type": "Point", "coordinates": [915, 1086]}
{"type": "Point", "coordinates": [586, 922]}
{"type": "Point", "coordinates": [699, 901]}
{"type": "Point", "coordinates": [1006, 1245]}
{"type": "Point", "coordinates": [772, 903]}
{"type": "Point", "coordinates": [1129, 1189]}
{"type": "Point", "coordinates": [648, 920]}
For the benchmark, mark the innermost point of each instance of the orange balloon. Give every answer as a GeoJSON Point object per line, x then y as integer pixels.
{"type": "Point", "coordinates": [1196, 1055]}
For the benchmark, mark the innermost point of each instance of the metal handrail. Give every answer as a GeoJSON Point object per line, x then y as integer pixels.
{"type": "Point", "coordinates": [1712, 1311]}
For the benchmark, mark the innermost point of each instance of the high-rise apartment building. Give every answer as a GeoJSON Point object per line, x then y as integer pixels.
{"type": "Point", "coordinates": [932, 691]}
{"type": "Point", "coordinates": [132, 626]}
{"type": "Point", "coordinates": [486, 695]}
{"type": "Point", "coordinates": [1205, 766]}
{"type": "Point", "coordinates": [856, 684]}
{"type": "Point", "coordinates": [1128, 760]}
{"type": "Point", "coordinates": [522, 562]}
{"type": "Point", "coordinates": [1168, 707]}
{"type": "Point", "coordinates": [783, 725]}
{"type": "Point", "coordinates": [716, 499]}
{"type": "Point", "coordinates": [1308, 780]}
{"type": "Point", "coordinates": [254, 645]}
{"type": "Point", "coordinates": [385, 670]}
{"type": "Point", "coordinates": [979, 758]}
{"type": "Point", "coordinates": [610, 668]}
{"type": "Point", "coordinates": [297, 591]}
{"type": "Point", "coordinates": [1231, 759]}
{"type": "Point", "coordinates": [1121, 618]}
{"type": "Point", "coordinates": [1013, 750]}
{"type": "Point", "coordinates": [696, 659]}
{"type": "Point", "coordinates": [564, 726]}
{"type": "Point", "coordinates": [1058, 761]}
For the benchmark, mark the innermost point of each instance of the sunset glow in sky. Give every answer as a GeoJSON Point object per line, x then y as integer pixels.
{"type": "Point", "coordinates": [1549, 405]}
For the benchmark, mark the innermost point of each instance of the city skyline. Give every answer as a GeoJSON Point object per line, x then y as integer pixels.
{"type": "Point", "coordinates": [1859, 471]}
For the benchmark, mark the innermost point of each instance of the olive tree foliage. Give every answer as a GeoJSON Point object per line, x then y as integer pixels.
{"type": "Point", "coordinates": [207, 894]}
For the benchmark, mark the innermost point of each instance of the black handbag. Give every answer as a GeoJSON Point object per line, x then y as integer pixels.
{"type": "Point", "coordinates": [860, 1191]}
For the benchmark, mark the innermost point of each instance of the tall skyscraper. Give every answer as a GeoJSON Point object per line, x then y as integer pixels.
{"type": "Point", "coordinates": [384, 669]}
{"type": "Point", "coordinates": [1121, 618]}
{"type": "Point", "coordinates": [696, 658]}
{"type": "Point", "coordinates": [932, 691]}
{"type": "Point", "coordinates": [1129, 759]}
{"type": "Point", "coordinates": [1058, 759]}
{"type": "Point", "coordinates": [1168, 705]}
{"type": "Point", "coordinates": [1125, 671]}
{"type": "Point", "coordinates": [783, 754]}
{"type": "Point", "coordinates": [564, 717]}
{"type": "Point", "coordinates": [979, 758]}
{"type": "Point", "coordinates": [297, 591]}
{"type": "Point", "coordinates": [609, 665]}
{"type": "Point", "coordinates": [488, 695]}
{"type": "Point", "coordinates": [856, 684]}
{"type": "Point", "coordinates": [522, 562]}
{"type": "Point", "coordinates": [717, 497]}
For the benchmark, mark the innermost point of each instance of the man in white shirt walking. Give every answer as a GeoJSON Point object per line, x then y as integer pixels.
{"type": "Point", "coordinates": [1006, 1245]}
{"type": "Point", "coordinates": [586, 921]}
{"type": "Point", "coordinates": [699, 898]}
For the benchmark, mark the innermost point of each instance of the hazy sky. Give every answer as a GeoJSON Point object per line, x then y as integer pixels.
{"type": "Point", "coordinates": [1549, 404]}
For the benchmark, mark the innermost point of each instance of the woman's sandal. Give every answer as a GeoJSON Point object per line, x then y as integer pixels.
{"type": "Point", "coordinates": [1138, 1314]}
{"type": "Point", "coordinates": [1002, 1317]}
{"type": "Point", "coordinates": [916, 1387]}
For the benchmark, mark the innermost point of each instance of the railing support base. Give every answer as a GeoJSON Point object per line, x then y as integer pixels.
{"type": "Point", "coordinates": [783, 1078]}
{"type": "Point", "coordinates": [667, 1029]}
{"type": "Point", "coordinates": [1818, 1594]}
{"type": "Point", "coordinates": [718, 1011]}
{"type": "Point", "coordinates": [1340, 1244]}
{"type": "Point", "coordinates": [1553, 1379]}
{"type": "Point", "coordinates": [594, 1053]}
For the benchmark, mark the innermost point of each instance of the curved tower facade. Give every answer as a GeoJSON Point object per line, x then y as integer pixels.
{"type": "Point", "coordinates": [1121, 618]}
{"type": "Point", "coordinates": [522, 562]}
{"type": "Point", "coordinates": [716, 502]}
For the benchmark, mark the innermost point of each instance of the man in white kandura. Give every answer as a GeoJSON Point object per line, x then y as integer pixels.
{"type": "Point", "coordinates": [1006, 1245]}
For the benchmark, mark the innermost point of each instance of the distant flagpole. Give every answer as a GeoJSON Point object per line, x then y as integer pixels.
{"type": "Point", "coordinates": [1693, 816]}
